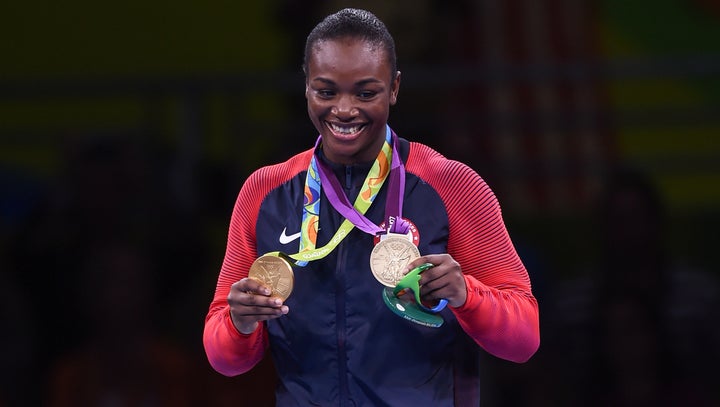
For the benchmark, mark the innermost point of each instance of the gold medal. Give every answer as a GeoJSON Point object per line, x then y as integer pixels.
{"type": "Point", "coordinates": [389, 258]}
{"type": "Point", "coordinates": [275, 272]}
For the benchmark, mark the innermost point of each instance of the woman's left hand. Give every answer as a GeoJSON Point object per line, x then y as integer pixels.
{"type": "Point", "coordinates": [444, 280]}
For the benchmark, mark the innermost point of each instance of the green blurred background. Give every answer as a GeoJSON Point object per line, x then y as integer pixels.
{"type": "Point", "coordinates": [126, 131]}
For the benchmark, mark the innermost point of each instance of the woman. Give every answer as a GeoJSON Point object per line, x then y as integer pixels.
{"type": "Point", "coordinates": [334, 340]}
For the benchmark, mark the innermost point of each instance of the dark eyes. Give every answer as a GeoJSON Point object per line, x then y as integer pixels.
{"type": "Point", "coordinates": [366, 94]}
{"type": "Point", "coordinates": [325, 93]}
{"type": "Point", "coordinates": [362, 95]}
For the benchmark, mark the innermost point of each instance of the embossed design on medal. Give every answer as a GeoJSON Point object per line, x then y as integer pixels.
{"type": "Point", "coordinates": [274, 272]}
{"type": "Point", "coordinates": [389, 258]}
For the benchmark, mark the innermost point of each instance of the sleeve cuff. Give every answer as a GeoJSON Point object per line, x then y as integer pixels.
{"type": "Point", "coordinates": [474, 297]}
{"type": "Point", "coordinates": [234, 333]}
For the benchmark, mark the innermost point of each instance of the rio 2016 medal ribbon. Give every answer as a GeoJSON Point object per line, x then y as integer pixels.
{"type": "Point", "coordinates": [319, 174]}
{"type": "Point", "coordinates": [389, 258]}
{"type": "Point", "coordinates": [275, 272]}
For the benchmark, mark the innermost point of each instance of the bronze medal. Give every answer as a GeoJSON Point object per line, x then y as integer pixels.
{"type": "Point", "coordinates": [389, 258]}
{"type": "Point", "coordinates": [275, 272]}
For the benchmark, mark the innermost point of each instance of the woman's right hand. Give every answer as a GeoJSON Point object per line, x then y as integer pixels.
{"type": "Point", "coordinates": [250, 302]}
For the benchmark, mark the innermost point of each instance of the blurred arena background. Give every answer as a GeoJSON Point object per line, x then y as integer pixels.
{"type": "Point", "coordinates": [127, 129]}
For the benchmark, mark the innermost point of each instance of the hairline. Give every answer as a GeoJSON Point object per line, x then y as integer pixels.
{"type": "Point", "coordinates": [376, 44]}
{"type": "Point", "coordinates": [362, 25]}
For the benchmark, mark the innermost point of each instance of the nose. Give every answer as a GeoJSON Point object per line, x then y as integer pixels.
{"type": "Point", "coordinates": [344, 108]}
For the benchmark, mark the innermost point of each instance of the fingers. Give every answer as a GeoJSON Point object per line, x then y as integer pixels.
{"type": "Point", "coordinates": [442, 264]}
{"type": "Point", "coordinates": [434, 259]}
{"type": "Point", "coordinates": [254, 298]}
{"type": "Point", "coordinates": [250, 302]}
{"type": "Point", "coordinates": [249, 285]}
{"type": "Point", "coordinates": [444, 280]}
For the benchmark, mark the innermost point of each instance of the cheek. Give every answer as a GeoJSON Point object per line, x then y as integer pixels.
{"type": "Point", "coordinates": [317, 106]}
{"type": "Point", "coordinates": [313, 108]}
{"type": "Point", "coordinates": [380, 110]}
{"type": "Point", "coordinates": [315, 113]}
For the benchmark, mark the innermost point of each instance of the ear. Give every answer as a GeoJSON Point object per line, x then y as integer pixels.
{"type": "Point", "coordinates": [395, 89]}
{"type": "Point", "coordinates": [307, 89]}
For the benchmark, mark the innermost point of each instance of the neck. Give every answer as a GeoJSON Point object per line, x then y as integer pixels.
{"type": "Point", "coordinates": [366, 155]}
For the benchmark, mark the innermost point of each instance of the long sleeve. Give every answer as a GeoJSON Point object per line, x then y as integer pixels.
{"type": "Point", "coordinates": [504, 322]}
{"type": "Point", "coordinates": [501, 313]}
{"type": "Point", "coordinates": [228, 351]}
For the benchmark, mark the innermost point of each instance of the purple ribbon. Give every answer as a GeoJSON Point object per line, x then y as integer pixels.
{"type": "Point", "coordinates": [393, 205]}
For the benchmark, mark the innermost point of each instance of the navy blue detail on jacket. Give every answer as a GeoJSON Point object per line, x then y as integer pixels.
{"type": "Point", "coordinates": [339, 344]}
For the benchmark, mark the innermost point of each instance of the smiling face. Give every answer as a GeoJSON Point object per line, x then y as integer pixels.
{"type": "Point", "coordinates": [349, 91]}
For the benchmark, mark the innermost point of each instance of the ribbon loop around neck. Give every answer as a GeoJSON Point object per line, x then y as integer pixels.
{"type": "Point", "coordinates": [387, 165]}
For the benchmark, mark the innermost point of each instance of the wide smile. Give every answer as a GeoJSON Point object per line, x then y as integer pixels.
{"type": "Point", "coordinates": [345, 131]}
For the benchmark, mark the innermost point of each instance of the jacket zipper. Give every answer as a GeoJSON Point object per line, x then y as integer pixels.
{"type": "Point", "coordinates": [340, 309]}
{"type": "Point", "coordinates": [341, 336]}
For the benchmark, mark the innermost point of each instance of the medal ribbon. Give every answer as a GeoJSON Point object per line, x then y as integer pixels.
{"type": "Point", "coordinates": [393, 205]}
{"type": "Point", "coordinates": [387, 162]}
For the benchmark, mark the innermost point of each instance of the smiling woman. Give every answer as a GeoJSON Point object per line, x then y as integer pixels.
{"type": "Point", "coordinates": [349, 96]}
{"type": "Point", "coordinates": [368, 203]}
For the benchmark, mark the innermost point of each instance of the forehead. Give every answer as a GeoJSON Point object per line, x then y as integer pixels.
{"type": "Point", "coordinates": [348, 55]}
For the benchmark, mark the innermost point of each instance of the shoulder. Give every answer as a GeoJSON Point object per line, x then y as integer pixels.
{"type": "Point", "coordinates": [264, 180]}
{"type": "Point", "coordinates": [269, 177]}
{"type": "Point", "coordinates": [437, 170]}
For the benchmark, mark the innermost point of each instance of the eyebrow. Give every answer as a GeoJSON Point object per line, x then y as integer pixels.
{"type": "Point", "coordinates": [358, 83]}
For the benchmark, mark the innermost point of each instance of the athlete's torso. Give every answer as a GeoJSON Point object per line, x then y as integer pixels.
{"type": "Point", "coordinates": [339, 342]}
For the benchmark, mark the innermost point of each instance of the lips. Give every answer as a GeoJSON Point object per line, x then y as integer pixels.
{"type": "Point", "coordinates": [345, 131]}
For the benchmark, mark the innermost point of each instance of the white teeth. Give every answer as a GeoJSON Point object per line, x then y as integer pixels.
{"type": "Point", "coordinates": [345, 130]}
